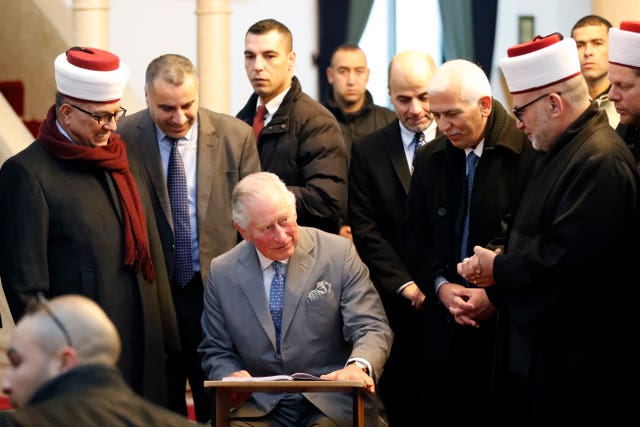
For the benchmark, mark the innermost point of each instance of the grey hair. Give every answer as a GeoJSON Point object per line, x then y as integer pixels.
{"type": "Point", "coordinates": [259, 185]}
{"type": "Point", "coordinates": [465, 75]}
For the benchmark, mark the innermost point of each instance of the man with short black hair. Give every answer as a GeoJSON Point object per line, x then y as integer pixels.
{"type": "Point", "coordinates": [348, 98]}
{"type": "Point", "coordinates": [298, 139]}
{"type": "Point", "coordinates": [591, 34]}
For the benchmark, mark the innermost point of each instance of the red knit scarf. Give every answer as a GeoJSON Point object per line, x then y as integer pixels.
{"type": "Point", "coordinates": [112, 158]}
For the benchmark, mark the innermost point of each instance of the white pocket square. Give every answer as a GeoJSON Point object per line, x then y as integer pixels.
{"type": "Point", "coordinates": [322, 289]}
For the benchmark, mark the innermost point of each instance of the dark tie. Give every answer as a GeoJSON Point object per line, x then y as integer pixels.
{"type": "Point", "coordinates": [179, 199]}
{"type": "Point", "coordinates": [416, 142]}
{"type": "Point", "coordinates": [472, 162]}
{"type": "Point", "coordinates": [276, 300]}
{"type": "Point", "coordinates": [258, 120]}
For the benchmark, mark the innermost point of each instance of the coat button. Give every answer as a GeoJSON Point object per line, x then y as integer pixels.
{"type": "Point", "coordinates": [442, 211]}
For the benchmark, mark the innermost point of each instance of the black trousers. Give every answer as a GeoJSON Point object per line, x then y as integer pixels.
{"type": "Point", "coordinates": [185, 365]}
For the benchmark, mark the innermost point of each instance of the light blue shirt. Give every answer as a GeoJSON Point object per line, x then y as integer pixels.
{"type": "Point", "coordinates": [268, 272]}
{"type": "Point", "coordinates": [188, 148]}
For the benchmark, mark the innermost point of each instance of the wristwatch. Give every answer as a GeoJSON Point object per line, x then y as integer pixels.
{"type": "Point", "coordinates": [361, 366]}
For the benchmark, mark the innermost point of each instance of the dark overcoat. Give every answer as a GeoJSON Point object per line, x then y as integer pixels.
{"type": "Point", "coordinates": [569, 272]}
{"type": "Point", "coordinates": [62, 233]}
{"type": "Point", "coordinates": [457, 356]}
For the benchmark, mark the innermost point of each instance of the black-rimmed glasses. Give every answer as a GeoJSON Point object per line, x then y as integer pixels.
{"type": "Point", "coordinates": [107, 117]}
{"type": "Point", "coordinates": [518, 111]}
{"type": "Point", "coordinates": [34, 302]}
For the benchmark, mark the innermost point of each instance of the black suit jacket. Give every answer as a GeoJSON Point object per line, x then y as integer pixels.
{"type": "Point", "coordinates": [379, 179]}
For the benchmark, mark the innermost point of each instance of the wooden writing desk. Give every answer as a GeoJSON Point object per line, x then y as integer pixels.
{"type": "Point", "coordinates": [224, 389]}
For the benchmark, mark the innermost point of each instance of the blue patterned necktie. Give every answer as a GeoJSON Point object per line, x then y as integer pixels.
{"type": "Point", "coordinates": [179, 199]}
{"type": "Point", "coordinates": [276, 300]}
{"type": "Point", "coordinates": [416, 142]}
{"type": "Point", "coordinates": [472, 163]}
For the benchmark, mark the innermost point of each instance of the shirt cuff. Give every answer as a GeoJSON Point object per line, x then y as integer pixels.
{"type": "Point", "coordinates": [439, 282]}
{"type": "Point", "coordinates": [399, 290]}
{"type": "Point", "coordinates": [363, 361]}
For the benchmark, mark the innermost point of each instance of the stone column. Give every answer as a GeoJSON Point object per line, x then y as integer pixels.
{"type": "Point", "coordinates": [90, 23]}
{"type": "Point", "coordinates": [214, 54]}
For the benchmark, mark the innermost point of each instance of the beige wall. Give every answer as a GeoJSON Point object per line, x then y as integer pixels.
{"type": "Point", "coordinates": [28, 54]}
{"type": "Point", "coordinates": [617, 10]}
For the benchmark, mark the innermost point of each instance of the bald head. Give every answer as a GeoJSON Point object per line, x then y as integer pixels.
{"type": "Point", "coordinates": [410, 64]}
{"type": "Point", "coordinates": [55, 338]}
{"type": "Point", "coordinates": [409, 75]}
{"type": "Point", "coordinates": [92, 334]}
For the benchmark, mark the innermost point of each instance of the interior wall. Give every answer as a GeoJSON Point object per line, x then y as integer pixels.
{"type": "Point", "coordinates": [617, 10]}
{"type": "Point", "coordinates": [29, 43]}
{"type": "Point", "coordinates": [549, 16]}
{"type": "Point", "coordinates": [169, 26]}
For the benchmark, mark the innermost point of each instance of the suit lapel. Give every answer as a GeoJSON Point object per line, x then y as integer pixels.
{"type": "Point", "coordinates": [395, 150]}
{"type": "Point", "coordinates": [298, 285]}
{"type": "Point", "coordinates": [152, 162]}
{"type": "Point", "coordinates": [207, 148]}
{"type": "Point", "coordinates": [249, 274]}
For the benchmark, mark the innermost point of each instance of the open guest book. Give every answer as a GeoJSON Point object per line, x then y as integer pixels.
{"type": "Point", "coordinates": [296, 376]}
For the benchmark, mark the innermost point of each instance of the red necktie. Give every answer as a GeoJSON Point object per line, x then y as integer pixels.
{"type": "Point", "coordinates": [258, 120]}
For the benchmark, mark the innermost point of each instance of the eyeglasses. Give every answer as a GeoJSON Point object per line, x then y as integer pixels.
{"type": "Point", "coordinates": [518, 111]}
{"type": "Point", "coordinates": [107, 117]}
{"type": "Point", "coordinates": [34, 302]}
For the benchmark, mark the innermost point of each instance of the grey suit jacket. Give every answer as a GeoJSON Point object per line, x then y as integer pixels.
{"type": "Point", "coordinates": [318, 334]}
{"type": "Point", "coordinates": [226, 153]}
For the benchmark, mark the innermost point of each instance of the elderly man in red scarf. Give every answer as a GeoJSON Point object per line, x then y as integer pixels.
{"type": "Point", "coordinates": [72, 218]}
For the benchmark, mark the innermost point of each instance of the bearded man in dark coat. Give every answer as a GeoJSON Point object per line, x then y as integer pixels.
{"type": "Point", "coordinates": [566, 353]}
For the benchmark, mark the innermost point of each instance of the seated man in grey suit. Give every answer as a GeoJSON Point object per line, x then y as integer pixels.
{"type": "Point", "coordinates": [329, 322]}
